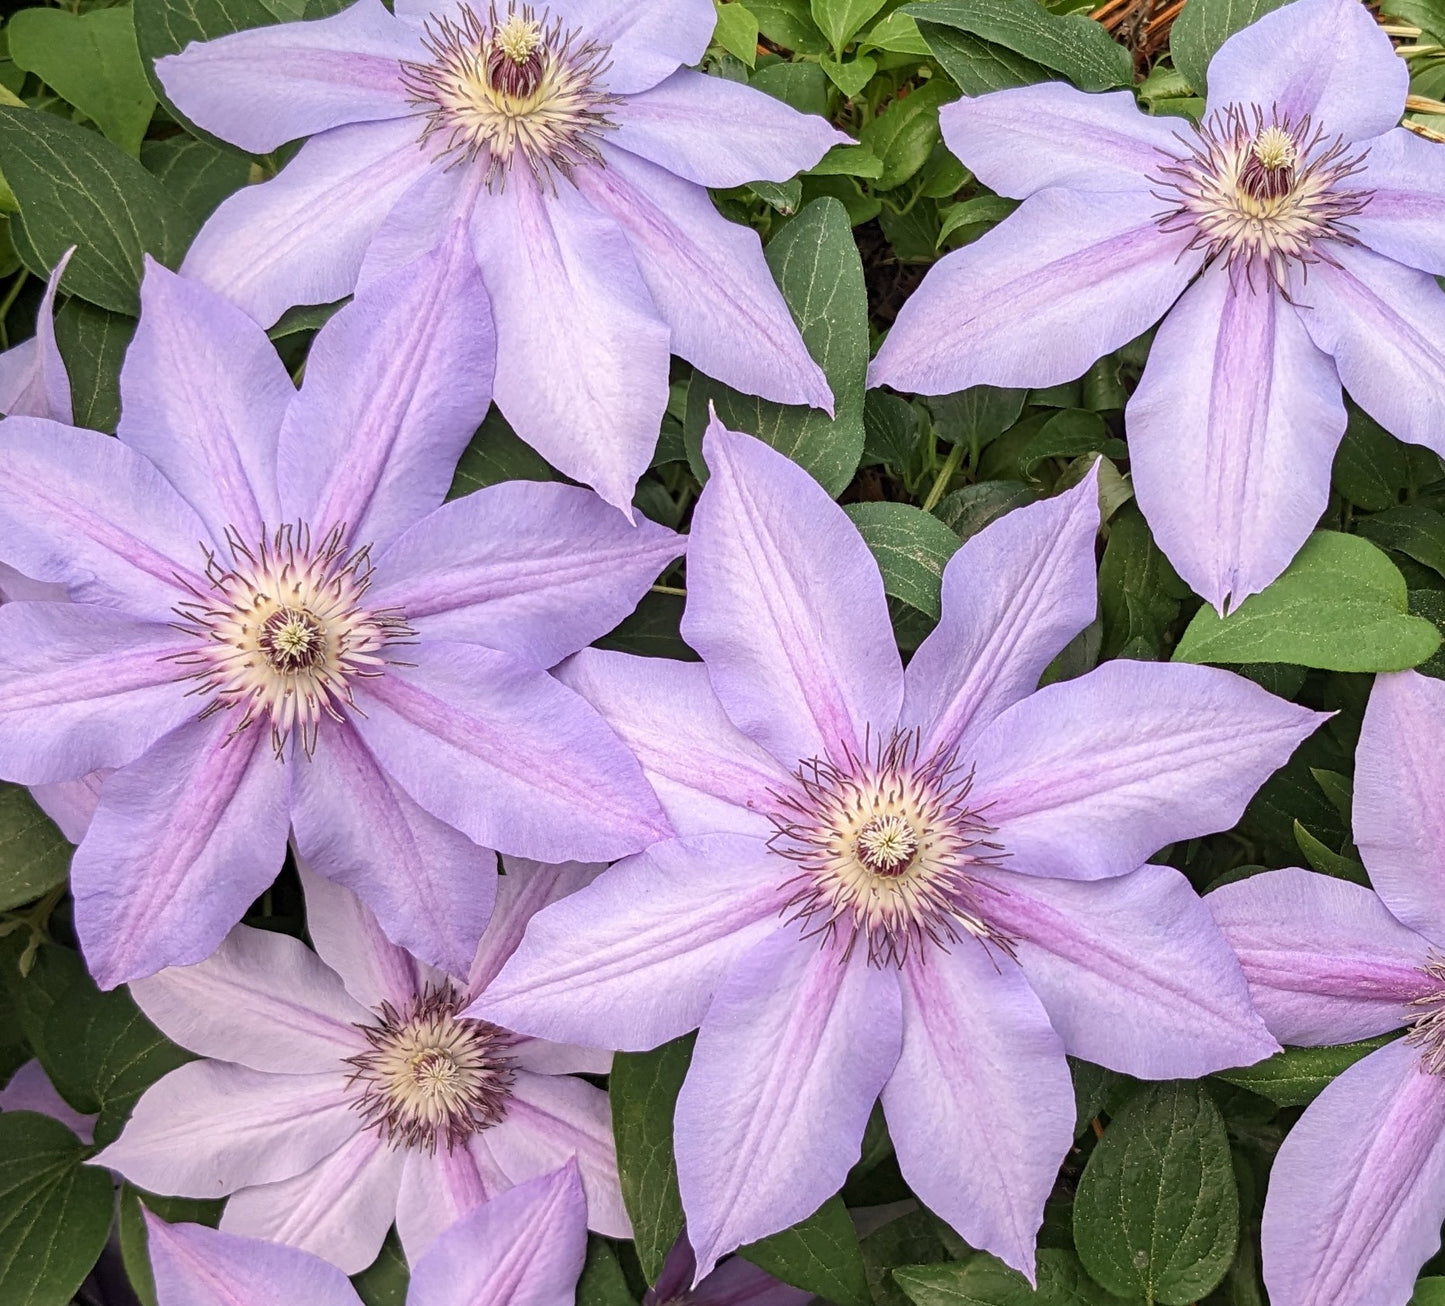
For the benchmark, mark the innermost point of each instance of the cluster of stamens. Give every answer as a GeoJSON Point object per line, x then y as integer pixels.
{"type": "Point", "coordinates": [429, 1076]}
{"type": "Point", "coordinates": [504, 88]}
{"type": "Point", "coordinates": [283, 630]}
{"type": "Point", "coordinates": [1427, 1030]}
{"type": "Point", "coordinates": [887, 848]}
{"type": "Point", "coordinates": [1261, 194]}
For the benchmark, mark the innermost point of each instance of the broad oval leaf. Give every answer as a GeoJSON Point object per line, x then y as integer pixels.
{"type": "Point", "coordinates": [912, 548]}
{"type": "Point", "coordinates": [1296, 1076]}
{"type": "Point", "coordinates": [1203, 26]}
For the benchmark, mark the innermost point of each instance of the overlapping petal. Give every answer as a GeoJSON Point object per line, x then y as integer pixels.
{"type": "Point", "coordinates": [1405, 218]}
{"type": "Point", "coordinates": [438, 1188]}
{"type": "Point", "coordinates": [33, 379]}
{"type": "Point", "coordinates": [522, 892]}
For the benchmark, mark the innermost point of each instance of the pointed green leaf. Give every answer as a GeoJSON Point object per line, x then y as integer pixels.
{"type": "Point", "coordinates": [821, 1255]}
{"type": "Point", "coordinates": [1296, 1076]}
{"type": "Point", "coordinates": [912, 548]}
{"type": "Point", "coordinates": [34, 855]}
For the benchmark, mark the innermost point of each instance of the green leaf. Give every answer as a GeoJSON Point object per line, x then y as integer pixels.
{"type": "Point", "coordinates": [892, 429]}
{"type": "Point", "coordinates": [785, 196]}
{"type": "Point", "coordinates": [384, 1281]}
{"type": "Point", "coordinates": [198, 174]}
{"type": "Point", "coordinates": [165, 27]}
{"type": "Point", "coordinates": [1371, 468]}
{"type": "Point", "coordinates": [803, 85]}
{"type": "Point", "coordinates": [603, 1282]}
{"type": "Point", "coordinates": [1139, 592]}
{"type": "Point", "coordinates": [912, 548]}
{"type": "Point", "coordinates": [841, 20]}
{"type": "Point", "coordinates": [969, 510]}
{"type": "Point", "coordinates": [1341, 605]}
{"type": "Point", "coordinates": [1157, 1210]}
{"type": "Point", "coordinates": [34, 855]}
{"type": "Point", "coordinates": [848, 161]}
{"type": "Point", "coordinates": [850, 76]}
{"type": "Point", "coordinates": [75, 188]}
{"type": "Point", "coordinates": [54, 1211]}
{"type": "Point", "coordinates": [644, 1088]}
{"type": "Point", "coordinates": [1070, 44]}
{"type": "Point", "coordinates": [979, 66]}
{"type": "Point", "coordinates": [1411, 529]}
{"type": "Point", "coordinates": [977, 415]}
{"type": "Point", "coordinates": [93, 342]}
{"type": "Point", "coordinates": [1067, 434]}
{"type": "Point", "coordinates": [1203, 26]}
{"type": "Point", "coordinates": [981, 1280]}
{"type": "Point", "coordinates": [821, 1255]}
{"type": "Point", "coordinates": [737, 30]}
{"type": "Point", "coordinates": [898, 34]}
{"type": "Point", "coordinates": [818, 269]}
{"type": "Point", "coordinates": [51, 972]}
{"type": "Point", "coordinates": [903, 136]}
{"type": "Point", "coordinates": [1431, 1291]}
{"type": "Point", "coordinates": [496, 453]}
{"type": "Point", "coordinates": [789, 23]}
{"type": "Point", "coordinates": [979, 211]}
{"type": "Point", "coordinates": [134, 1242]}
{"type": "Point", "coordinates": [1296, 1076]}
{"type": "Point", "coordinates": [1326, 860]}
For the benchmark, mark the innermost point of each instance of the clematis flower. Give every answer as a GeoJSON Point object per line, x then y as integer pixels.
{"type": "Point", "coordinates": [1357, 1192]}
{"type": "Point", "coordinates": [33, 379]}
{"type": "Point", "coordinates": [568, 138]}
{"type": "Point", "coordinates": [30, 1089]}
{"type": "Point", "coordinates": [925, 884]}
{"type": "Point", "coordinates": [345, 1089]}
{"type": "Point", "coordinates": [278, 623]}
{"type": "Point", "coordinates": [523, 1248]}
{"type": "Point", "coordinates": [1314, 224]}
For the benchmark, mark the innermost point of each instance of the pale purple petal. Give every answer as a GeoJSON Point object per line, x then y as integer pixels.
{"type": "Point", "coordinates": [1068, 277]}
{"type": "Point", "coordinates": [16, 587]}
{"type": "Point", "coordinates": [1326, 962]}
{"type": "Point", "coordinates": [33, 379]}
{"type": "Point", "coordinates": [737, 1282]}
{"type": "Point", "coordinates": [300, 237]}
{"type": "Point", "coordinates": [533, 568]}
{"type": "Point", "coordinates": [718, 132]}
{"type": "Point", "coordinates": [1089, 777]}
{"type": "Point", "coordinates": [1399, 806]}
{"type": "Point", "coordinates": [1013, 596]}
{"type": "Point", "coordinates": [708, 775]}
{"type": "Point", "coordinates": [430, 886]}
{"type": "Point", "coordinates": [30, 1089]}
{"type": "Point", "coordinates": [83, 687]}
{"type": "Point", "coordinates": [261, 88]}
{"type": "Point", "coordinates": [1405, 218]}
{"type": "Point", "coordinates": [786, 606]}
{"type": "Point", "coordinates": [1132, 971]}
{"type": "Point", "coordinates": [396, 384]}
{"type": "Point", "coordinates": [1027, 138]}
{"type": "Point", "coordinates": [507, 755]}
{"type": "Point", "coordinates": [544, 1058]}
{"type": "Point", "coordinates": [210, 1128]}
{"type": "Point", "coordinates": [525, 1247]}
{"type": "Point", "coordinates": [202, 394]}
{"type": "Point", "coordinates": [1325, 58]}
{"type": "Point", "coordinates": [634, 959]}
{"type": "Point", "coordinates": [197, 1266]}
{"type": "Point", "coordinates": [184, 839]}
{"type": "Point", "coordinates": [437, 1188]}
{"type": "Point", "coordinates": [339, 1209]}
{"type": "Point", "coordinates": [263, 1000]}
{"type": "Point", "coordinates": [71, 803]}
{"type": "Point", "coordinates": [582, 355]}
{"type": "Point", "coordinates": [1357, 1190]}
{"type": "Point", "coordinates": [647, 39]}
{"type": "Point", "coordinates": [788, 1063]}
{"type": "Point", "coordinates": [421, 219]}
{"type": "Point", "coordinates": [981, 1106]}
{"type": "Point", "coordinates": [83, 510]}
{"type": "Point", "coordinates": [708, 280]}
{"type": "Point", "coordinates": [1232, 434]}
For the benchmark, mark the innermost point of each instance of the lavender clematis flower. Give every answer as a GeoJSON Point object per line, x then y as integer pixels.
{"type": "Point", "coordinates": [1357, 1192]}
{"type": "Point", "coordinates": [525, 1247]}
{"type": "Point", "coordinates": [924, 884]}
{"type": "Point", "coordinates": [30, 1089]}
{"type": "Point", "coordinates": [278, 623]}
{"type": "Point", "coordinates": [347, 1090]}
{"type": "Point", "coordinates": [576, 149]}
{"type": "Point", "coordinates": [1317, 224]}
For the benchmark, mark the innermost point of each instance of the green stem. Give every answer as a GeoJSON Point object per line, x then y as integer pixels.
{"type": "Point", "coordinates": [9, 302]}
{"type": "Point", "coordinates": [945, 474]}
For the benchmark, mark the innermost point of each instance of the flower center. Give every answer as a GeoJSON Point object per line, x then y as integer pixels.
{"type": "Point", "coordinates": [430, 1076]}
{"type": "Point", "coordinates": [1261, 194]}
{"type": "Point", "coordinates": [886, 847]}
{"type": "Point", "coordinates": [282, 631]}
{"type": "Point", "coordinates": [1427, 1029]}
{"type": "Point", "coordinates": [510, 88]}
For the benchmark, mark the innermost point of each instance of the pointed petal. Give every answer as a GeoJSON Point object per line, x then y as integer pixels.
{"type": "Point", "coordinates": [1028, 138]}
{"type": "Point", "coordinates": [421, 220]}
{"type": "Point", "coordinates": [202, 394]}
{"type": "Point", "coordinates": [1088, 777]}
{"type": "Point", "coordinates": [786, 606]}
{"type": "Point", "coordinates": [338, 1209]}
{"type": "Point", "coordinates": [1068, 277]}
{"type": "Point", "coordinates": [30, 1089]}
{"type": "Point", "coordinates": [525, 1247]}
{"type": "Point", "coordinates": [430, 886]}
{"type": "Point", "coordinates": [708, 280]}
{"type": "Point", "coordinates": [982, 1068]}
{"type": "Point", "coordinates": [300, 237]}
{"type": "Point", "coordinates": [581, 351]}
{"type": "Point", "coordinates": [1132, 971]}
{"type": "Point", "coordinates": [437, 1188]}
{"type": "Point", "coordinates": [33, 379]}
{"type": "Point", "coordinates": [261, 88]}
{"type": "Point", "coordinates": [396, 384]}
{"type": "Point", "coordinates": [197, 1266]}
{"type": "Point", "coordinates": [263, 1000]}
{"type": "Point", "coordinates": [708, 775]}
{"type": "Point", "coordinates": [1357, 1191]}
{"type": "Point", "coordinates": [634, 959]}
{"type": "Point", "coordinates": [184, 839]}
{"type": "Point", "coordinates": [71, 803]}
{"type": "Point", "coordinates": [788, 1063]}
{"type": "Point", "coordinates": [1325, 960]}
{"type": "Point", "coordinates": [535, 569]}
{"type": "Point", "coordinates": [1232, 434]}
{"type": "Point", "coordinates": [1013, 596]}
{"type": "Point", "coordinates": [511, 758]}
{"type": "Point", "coordinates": [211, 1127]}
{"type": "Point", "coordinates": [737, 1282]}
{"type": "Point", "coordinates": [1405, 218]}
{"type": "Point", "coordinates": [1325, 58]}
{"type": "Point", "coordinates": [646, 39]}
{"type": "Point", "coordinates": [1399, 810]}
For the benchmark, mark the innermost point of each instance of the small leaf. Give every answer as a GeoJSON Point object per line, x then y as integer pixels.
{"type": "Point", "coordinates": [1326, 860]}
{"type": "Point", "coordinates": [841, 20]}
{"type": "Point", "coordinates": [897, 33]}
{"type": "Point", "coordinates": [1341, 605]}
{"type": "Point", "coordinates": [1296, 1076]}
{"type": "Point", "coordinates": [737, 30]}
{"type": "Point", "coordinates": [912, 548]}
{"type": "Point", "coordinates": [785, 196]}
{"type": "Point", "coordinates": [602, 1282]}
{"type": "Point", "coordinates": [1067, 434]}
{"type": "Point", "coordinates": [93, 342]}
{"type": "Point", "coordinates": [1203, 26]}
{"type": "Point", "coordinates": [384, 1282]}
{"type": "Point", "coordinates": [1139, 592]}
{"type": "Point", "coordinates": [34, 855]}
{"type": "Point", "coordinates": [904, 134]}
{"type": "Point", "coordinates": [982, 1280]}
{"type": "Point", "coordinates": [850, 76]}
{"type": "Point", "coordinates": [848, 161]}
{"type": "Point", "coordinates": [821, 1255]}
{"type": "Point", "coordinates": [789, 24]}
{"type": "Point", "coordinates": [979, 211]}
{"type": "Point", "coordinates": [977, 415]}
{"type": "Point", "coordinates": [969, 510]}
